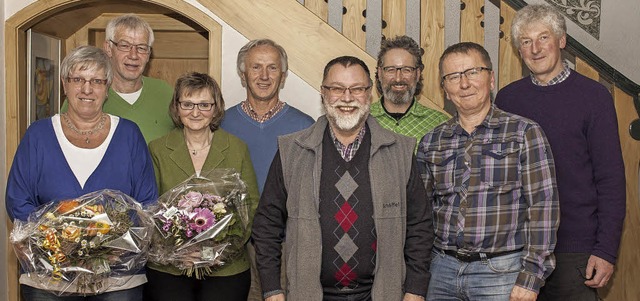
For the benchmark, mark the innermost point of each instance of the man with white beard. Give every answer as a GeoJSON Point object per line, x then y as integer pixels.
{"type": "Point", "coordinates": [347, 196]}
{"type": "Point", "coordinates": [399, 81]}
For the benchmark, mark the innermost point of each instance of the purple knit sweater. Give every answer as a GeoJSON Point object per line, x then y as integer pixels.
{"type": "Point", "coordinates": [579, 119]}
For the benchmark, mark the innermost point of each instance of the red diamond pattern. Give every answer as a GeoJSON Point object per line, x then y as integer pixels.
{"type": "Point", "coordinates": [346, 217]}
{"type": "Point", "coordinates": [345, 274]}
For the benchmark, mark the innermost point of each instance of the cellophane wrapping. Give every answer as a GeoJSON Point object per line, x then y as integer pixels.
{"type": "Point", "coordinates": [201, 224]}
{"type": "Point", "coordinates": [84, 245]}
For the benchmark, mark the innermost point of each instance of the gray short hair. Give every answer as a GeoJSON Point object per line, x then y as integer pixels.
{"type": "Point", "coordinates": [86, 58]}
{"type": "Point", "coordinates": [541, 13]}
{"type": "Point", "coordinates": [128, 21]}
{"type": "Point", "coordinates": [242, 54]}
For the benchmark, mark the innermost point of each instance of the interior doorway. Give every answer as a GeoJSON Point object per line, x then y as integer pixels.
{"type": "Point", "coordinates": [176, 24]}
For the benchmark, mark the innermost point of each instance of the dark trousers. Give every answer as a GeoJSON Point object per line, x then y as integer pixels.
{"type": "Point", "coordinates": [566, 283]}
{"type": "Point", "coordinates": [167, 287]}
{"type": "Point", "coordinates": [33, 294]}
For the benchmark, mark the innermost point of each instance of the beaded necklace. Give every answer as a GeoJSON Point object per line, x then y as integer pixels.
{"type": "Point", "coordinates": [89, 132]}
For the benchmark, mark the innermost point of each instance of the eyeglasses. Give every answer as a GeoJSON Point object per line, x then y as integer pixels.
{"type": "Point", "coordinates": [339, 91]}
{"type": "Point", "coordinates": [406, 71]}
{"type": "Point", "coordinates": [94, 82]}
{"type": "Point", "coordinates": [471, 74]}
{"type": "Point", "coordinates": [126, 47]}
{"type": "Point", "coordinates": [203, 106]}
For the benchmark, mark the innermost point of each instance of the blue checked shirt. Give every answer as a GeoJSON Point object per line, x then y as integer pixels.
{"type": "Point", "coordinates": [494, 190]}
{"type": "Point", "coordinates": [348, 151]}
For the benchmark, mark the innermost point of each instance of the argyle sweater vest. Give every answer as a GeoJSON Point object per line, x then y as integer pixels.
{"type": "Point", "coordinates": [346, 220]}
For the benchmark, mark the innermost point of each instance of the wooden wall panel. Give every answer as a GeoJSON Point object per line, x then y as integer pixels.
{"type": "Point", "coordinates": [318, 7]}
{"type": "Point", "coordinates": [170, 69]}
{"type": "Point", "coordinates": [510, 64]}
{"type": "Point", "coordinates": [353, 21]}
{"type": "Point", "coordinates": [394, 14]}
{"type": "Point", "coordinates": [170, 38]}
{"type": "Point", "coordinates": [470, 19]}
{"type": "Point", "coordinates": [585, 69]}
{"type": "Point", "coordinates": [432, 41]}
{"type": "Point", "coordinates": [624, 284]}
{"type": "Point", "coordinates": [168, 44]}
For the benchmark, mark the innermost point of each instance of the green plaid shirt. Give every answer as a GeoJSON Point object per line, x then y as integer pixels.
{"type": "Point", "coordinates": [415, 123]}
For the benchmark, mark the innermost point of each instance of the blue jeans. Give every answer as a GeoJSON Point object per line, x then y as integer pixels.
{"type": "Point", "coordinates": [33, 294]}
{"type": "Point", "coordinates": [483, 280]}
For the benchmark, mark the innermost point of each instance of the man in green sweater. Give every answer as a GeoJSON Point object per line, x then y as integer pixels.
{"type": "Point", "coordinates": [144, 100]}
{"type": "Point", "coordinates": [399, 81]}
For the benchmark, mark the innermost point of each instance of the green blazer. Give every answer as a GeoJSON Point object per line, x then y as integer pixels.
{"type": "Point", "coordinates": [172, 165]}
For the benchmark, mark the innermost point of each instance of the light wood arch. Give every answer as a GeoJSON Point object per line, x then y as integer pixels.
{"type": "Point", "coordinates": [15, 85]}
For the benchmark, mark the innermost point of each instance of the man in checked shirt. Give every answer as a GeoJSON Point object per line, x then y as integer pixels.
{"type": "Point", "coordinates": [491, 179]}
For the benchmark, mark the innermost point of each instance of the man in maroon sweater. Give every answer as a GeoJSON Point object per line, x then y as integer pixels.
{"type": "Point", "coordinates": [579, 119]}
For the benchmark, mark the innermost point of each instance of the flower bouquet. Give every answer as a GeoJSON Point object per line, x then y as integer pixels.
{"type": "Point", "coordinates": [84, 245]}
{"type": "Point", "coordinates": [201, 223]}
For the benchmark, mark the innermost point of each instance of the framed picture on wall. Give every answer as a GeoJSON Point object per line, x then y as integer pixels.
{"type": "Point", "coordinates": [43, 76]}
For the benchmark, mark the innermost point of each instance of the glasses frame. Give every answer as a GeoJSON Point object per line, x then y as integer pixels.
{"type": "Point", "coordinates": [182, 104]}
{"type": "Point", "coordinates": [447, 77]}
{"type": "Point", "coordinates": [137, 47]}
{"type": "Point", "coordinates": [406, 71]}
{"type": "Point", "coordinates": [93, 82]}
{"type": "Point", "coordinates": [339, 91]}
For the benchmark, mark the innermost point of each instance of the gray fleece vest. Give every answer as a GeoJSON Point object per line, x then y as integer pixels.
{"type": "Point", "coordinates": [389, 168]}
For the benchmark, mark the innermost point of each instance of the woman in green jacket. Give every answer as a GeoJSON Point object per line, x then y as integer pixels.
{"type": "Point", "coordinates": [196, 145]}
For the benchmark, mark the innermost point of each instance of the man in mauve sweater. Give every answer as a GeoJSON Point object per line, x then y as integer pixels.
{"type": "Point", "coordinates": [579, 118]}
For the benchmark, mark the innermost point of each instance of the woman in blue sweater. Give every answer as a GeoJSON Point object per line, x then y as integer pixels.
{"type": "Point", "coordinates": [77, 152]}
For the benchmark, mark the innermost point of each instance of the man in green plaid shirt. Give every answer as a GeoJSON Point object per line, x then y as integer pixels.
{"type": "Point", "coordinates": [399, 80]}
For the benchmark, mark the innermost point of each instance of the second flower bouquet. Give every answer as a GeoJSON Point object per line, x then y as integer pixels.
{"type": "Point", "coordinates": [201, 223]}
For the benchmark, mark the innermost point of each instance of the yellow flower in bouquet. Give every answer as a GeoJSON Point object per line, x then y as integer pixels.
{"type": "Point", "coordinates": [73, 246]}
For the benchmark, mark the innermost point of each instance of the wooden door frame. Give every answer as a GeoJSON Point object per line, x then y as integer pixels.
{"type": "Point", "coordinates": [15, 88]}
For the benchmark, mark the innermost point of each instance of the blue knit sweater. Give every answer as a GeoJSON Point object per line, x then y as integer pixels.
{"type": "Point", "coordinates": [40, 173]}
{"type": "Point", "coordinates": [261, 138]}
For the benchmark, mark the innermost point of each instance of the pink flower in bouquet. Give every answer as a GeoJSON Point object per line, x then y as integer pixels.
{"type": "Point", "coordinates": [212, 198]}
{"type": "Point", "coordinates": [191, 200]}
{"type": "Point", "coordinates": [203, 220]}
